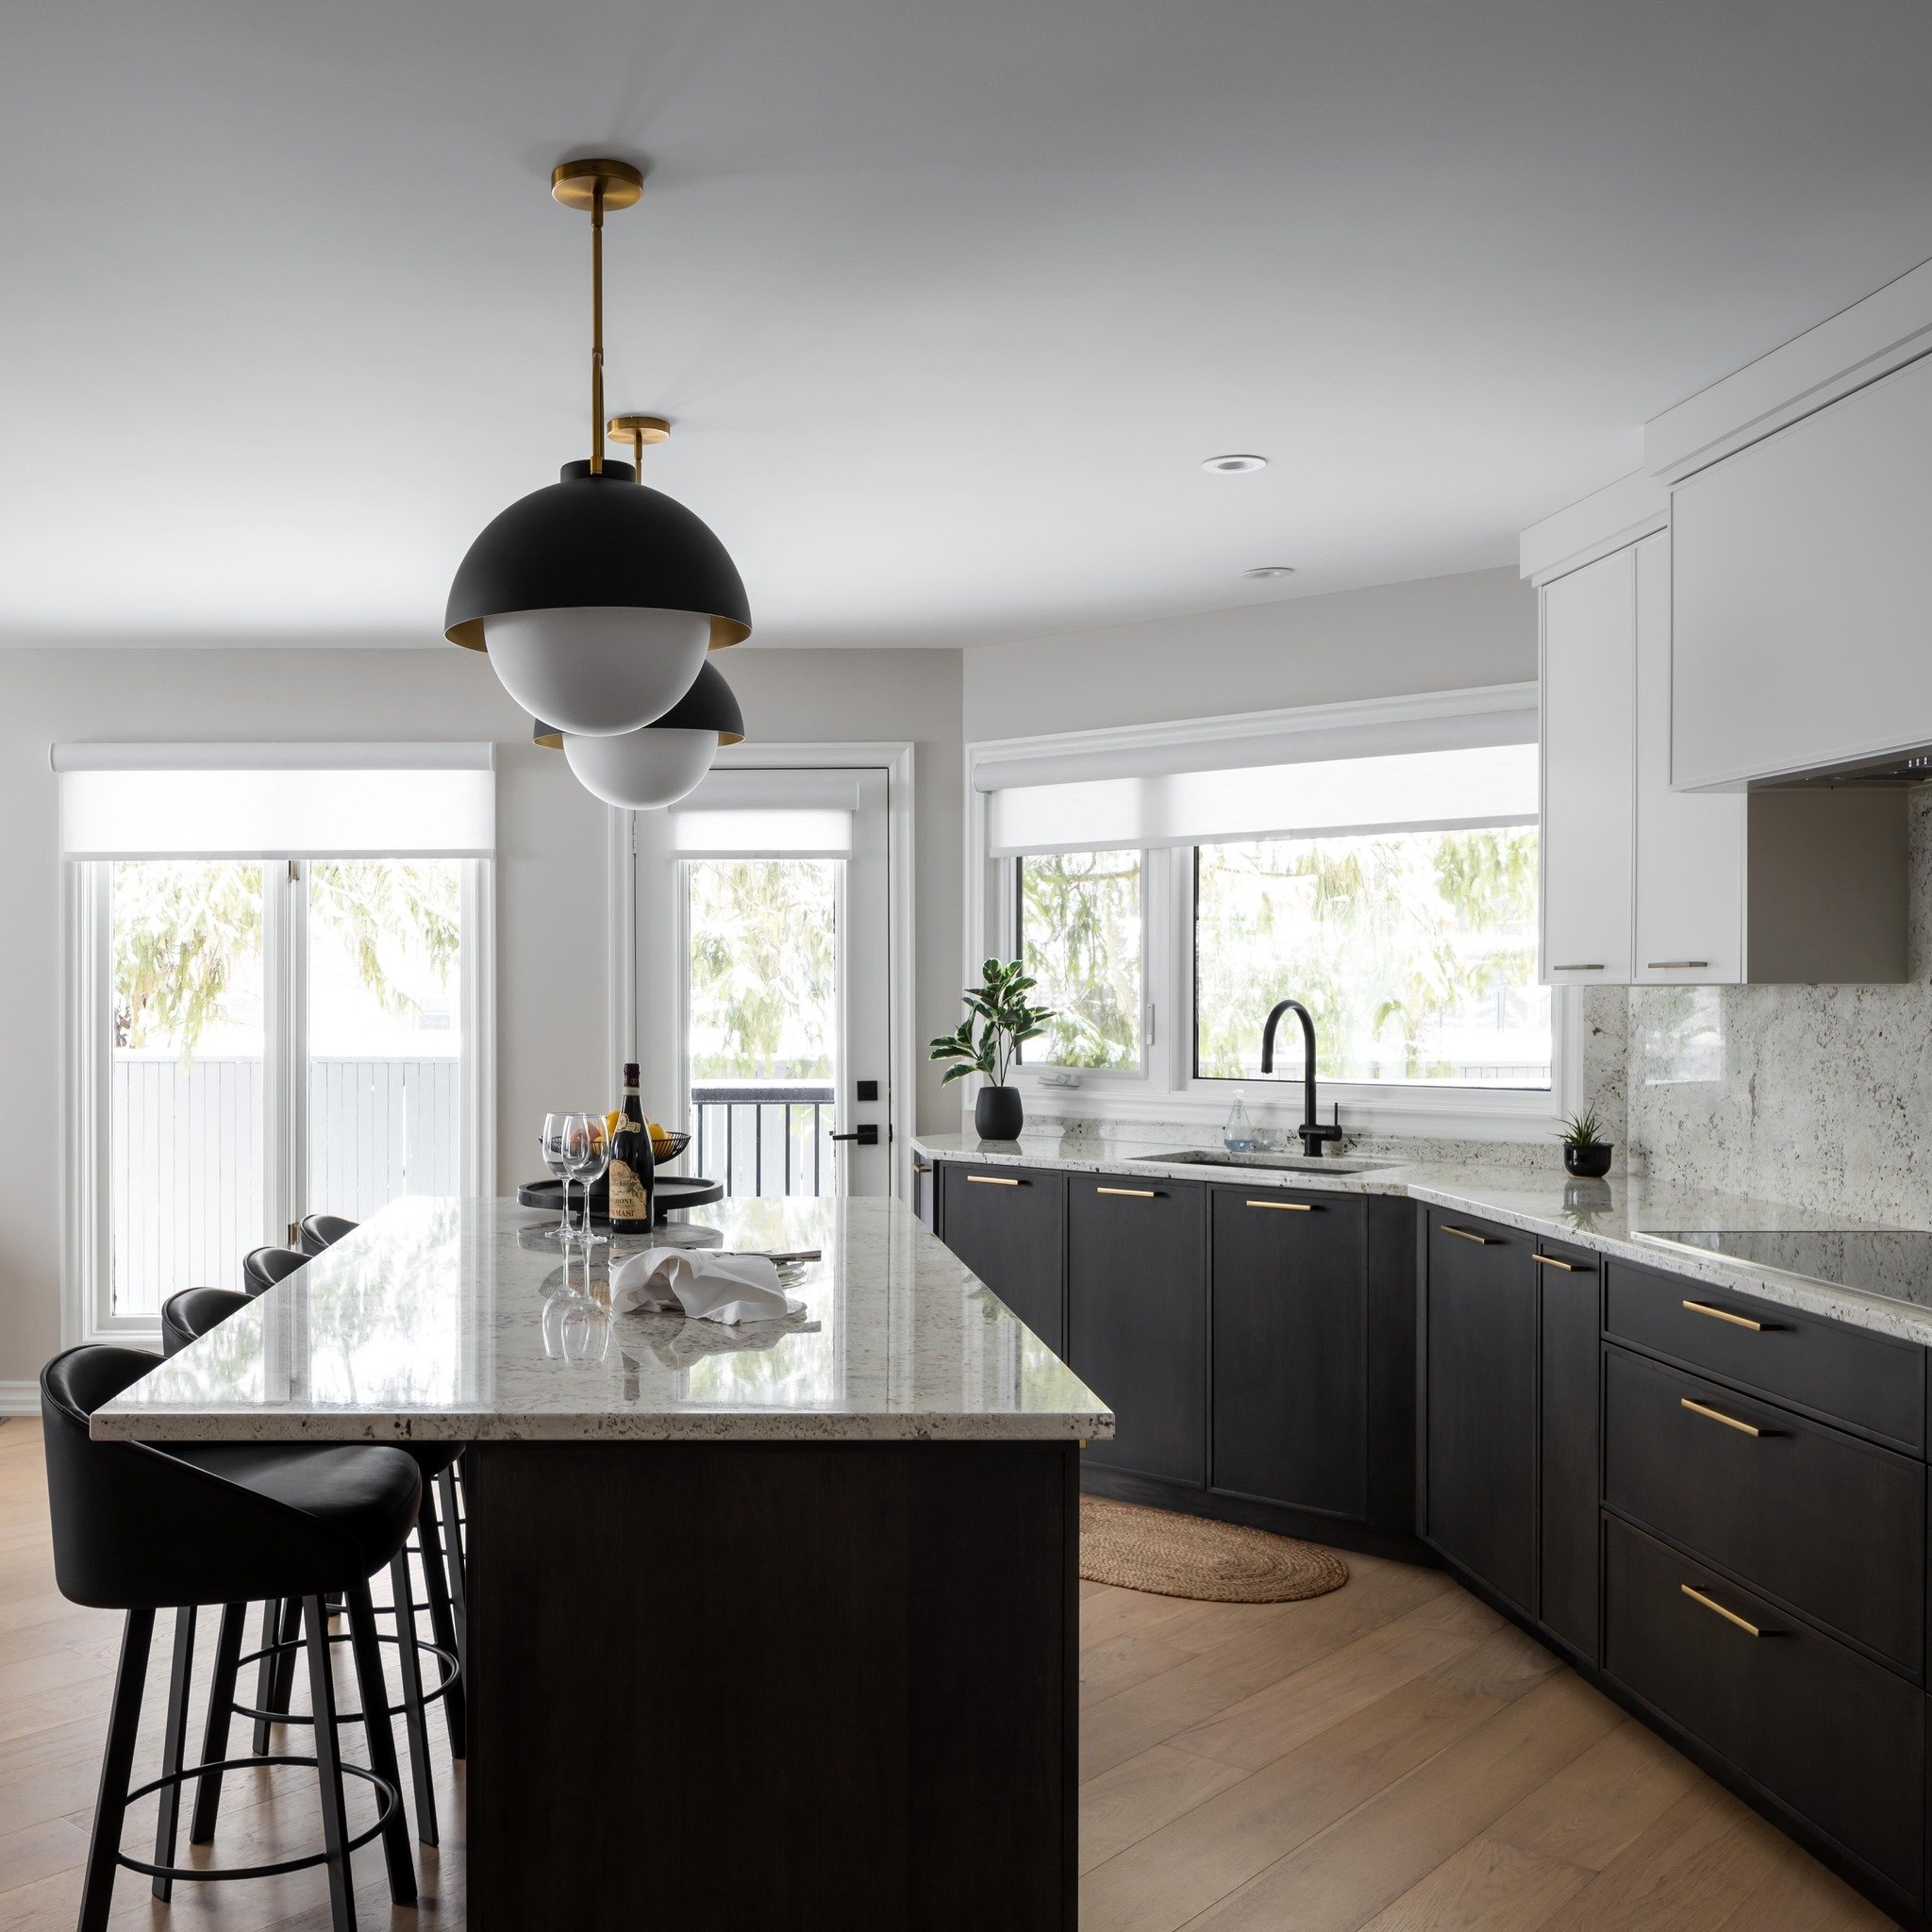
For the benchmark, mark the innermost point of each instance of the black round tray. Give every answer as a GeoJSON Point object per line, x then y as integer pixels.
{"type": "Point", "coordinates": [675, 1191]}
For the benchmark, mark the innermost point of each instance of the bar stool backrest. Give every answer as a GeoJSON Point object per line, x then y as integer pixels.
{"type": "Point", "coordinates": [136, 1528]}
{"type": "Point", "coordinates": [261, 1268]}
{"type": "Point", "coordinates": [187, 1316]}
{"type": "Point", "coordinates": [320, 1231]}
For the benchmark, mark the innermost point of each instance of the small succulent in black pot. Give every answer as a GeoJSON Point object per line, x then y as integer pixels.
{"type": "Point", "coordinates": [1585, 1152]}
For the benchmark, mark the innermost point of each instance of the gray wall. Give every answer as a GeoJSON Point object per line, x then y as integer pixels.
{"type": "Point", "coordinates": [1436, 634]}
{"type": "Point", "coordinates": [551, 862]}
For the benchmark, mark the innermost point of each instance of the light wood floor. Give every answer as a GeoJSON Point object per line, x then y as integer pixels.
{"type": "Point", "coordinates": [1394, 1756]}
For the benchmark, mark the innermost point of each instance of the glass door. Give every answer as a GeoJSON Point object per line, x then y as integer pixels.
{"type": "Point", "coordinates": [763, 1003]}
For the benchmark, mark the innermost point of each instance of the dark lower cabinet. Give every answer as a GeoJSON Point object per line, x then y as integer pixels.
{"type": "Point", "coordinates": [1137, 1319]}
{"type": "Point", "coordinates": [1290, 1348]}
{"type": "Point", "coordinates": [1569, 1441]}
{"type": "Point", "coordinates": [1837, 1738]}
{"type": "Point", "coordinates": [1481, 1465]}
{"type": "Point", "coordinates": [1007, 1223]}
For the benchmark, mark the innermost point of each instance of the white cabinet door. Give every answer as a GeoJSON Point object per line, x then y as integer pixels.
{"type": "Point", "coordinates": [1803, 593]}
{"type": "Point", "coordinates": [1588, 672]}
{"type": "Point", "coordinates": [1690, 873]}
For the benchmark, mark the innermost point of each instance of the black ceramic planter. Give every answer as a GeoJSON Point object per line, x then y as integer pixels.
{"type": "Point", "coordinates": [997, 1114]}
{"type": "Point", "coordinates": [1588, 1163]}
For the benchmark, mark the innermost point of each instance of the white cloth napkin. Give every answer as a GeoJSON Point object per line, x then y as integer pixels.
{"type": "Point", "coordinates": [711, 1287]}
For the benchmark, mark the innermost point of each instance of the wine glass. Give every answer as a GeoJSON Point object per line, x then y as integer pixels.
{"type": "Point", "coordinates": [586, 1154]}
{"type": "Point", "coordinates": [551, 1143]}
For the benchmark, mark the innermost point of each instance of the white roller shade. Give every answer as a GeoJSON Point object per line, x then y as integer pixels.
{"type": "Point", "coordinates": [767, 813]}
{"type": "Point", "coordinates": [1468, 760]}
{"type": "Point", "coordinates": [263, 801]}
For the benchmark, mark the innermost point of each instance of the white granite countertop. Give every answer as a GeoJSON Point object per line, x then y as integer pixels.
{"type": "Point", "coordinates": [1611, 1216]}
{"type": "Point", "coordinates": [451, 1320]}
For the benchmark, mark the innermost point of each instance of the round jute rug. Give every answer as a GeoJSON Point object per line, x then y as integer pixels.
{"type": "Point", "coordinates": [1169, 1554]}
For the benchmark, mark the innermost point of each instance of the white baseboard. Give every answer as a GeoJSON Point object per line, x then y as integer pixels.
{"type": "Point", "coordinates": [20, 1398]}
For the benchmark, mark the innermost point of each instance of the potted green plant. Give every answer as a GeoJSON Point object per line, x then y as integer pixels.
{"type": "Point", "coordinates": [998, 1017]}
{"type": "Point", "coordinates": [1585, 1153]}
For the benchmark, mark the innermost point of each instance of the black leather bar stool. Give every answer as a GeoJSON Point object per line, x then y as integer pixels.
{"type": "Point", "coordinates": [187, 1317]}
{"type": "Point", "coordinates": [320, 1231]}
{"type": "Point", "coordinates": [261, 1268]}
{"type": "Point", "coordinates": [139, 1528]}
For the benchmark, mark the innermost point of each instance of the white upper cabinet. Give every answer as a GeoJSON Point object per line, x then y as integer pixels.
{"type": "Point", "coordinates": [1588, 674]}
{"type": "Point", "coordinates": [1689, 860]}
{"type": "Point", "coordinates": [1802, 594]}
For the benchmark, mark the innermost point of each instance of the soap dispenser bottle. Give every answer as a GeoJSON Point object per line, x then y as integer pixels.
{"type": "Point", "coordinates": [1238, 1135]}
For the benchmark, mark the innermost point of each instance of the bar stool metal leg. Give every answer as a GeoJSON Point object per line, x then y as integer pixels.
{"type": "Point", "coordinates": [374, 1686]}
{"type": "Point", "coordinates": [173, 1748]}
{"type": "Point", "coordinates": [458, 1580]}
{"type": "Point", "coordinates": [415, 1718]}
{"type": "Point", "coordinates": [214, 1737]}
{"type": "Point", "coordinates": [443, 1624]}
{"type": "Point", "coordinates": [117, 1770]}
{"type": "Point", "coordinates": [328, 1765]}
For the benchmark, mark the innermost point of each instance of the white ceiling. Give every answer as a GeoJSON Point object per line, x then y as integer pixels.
{"type": "Point", "coordinates": [948, 298]}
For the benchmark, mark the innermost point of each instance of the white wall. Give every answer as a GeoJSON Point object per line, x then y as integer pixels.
{"type": "Point", "coordinates": [1435, 634]}
{"type": "Point", "coordinates": [551, 859]}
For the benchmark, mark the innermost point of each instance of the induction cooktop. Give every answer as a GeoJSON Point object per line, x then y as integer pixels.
{"type": "Point", "coordinates": [1892, 1262]}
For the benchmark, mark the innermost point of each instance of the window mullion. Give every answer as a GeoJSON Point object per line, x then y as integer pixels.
{"type": "Point", "coordinates": [284, 1096]}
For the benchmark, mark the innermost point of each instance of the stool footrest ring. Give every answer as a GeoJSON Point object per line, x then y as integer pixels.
{"type": "Point", "coordinates": [447, 1662]}
{"type": "Point", "coordinates": [389, 1802]}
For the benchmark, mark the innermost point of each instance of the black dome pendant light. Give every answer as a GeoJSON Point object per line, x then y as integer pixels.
{"type": "Point", "coordinates": [596, 603]}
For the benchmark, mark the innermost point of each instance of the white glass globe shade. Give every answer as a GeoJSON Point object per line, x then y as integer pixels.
{"type": "Point", "coordinates": [597, 672]}
{"type": "Point", "coordinates": [642, 769]}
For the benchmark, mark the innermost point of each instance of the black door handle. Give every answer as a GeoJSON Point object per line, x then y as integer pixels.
{"type": "Point", "coordinates": [866, 1137]}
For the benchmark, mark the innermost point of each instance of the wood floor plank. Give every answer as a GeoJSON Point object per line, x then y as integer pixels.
{"type": "Point", "coordinates": [1687, 1872]}
{"type": "Point", "coordinates": [1486, 1887]}
{"type": "Point", "coordinates": [1122, 1805]}
{"type": "Point", "coordinates": [1181, 1870]}
{"type": "Point", "coordinates": [1342, 1876]}
{"type": "Point", "coordinates": [1121, 1726]}
{"type": "Point", "coordinates": [1798, 1894]}
{"type": "Point", "coordinates": [1592, 1809]}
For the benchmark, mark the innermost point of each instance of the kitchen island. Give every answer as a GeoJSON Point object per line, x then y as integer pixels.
{"type": "Point", "coordinates": [767, 1626]}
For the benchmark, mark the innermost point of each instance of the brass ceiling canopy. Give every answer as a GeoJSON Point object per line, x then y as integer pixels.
{"type": "Point", "coordinates": [586, 184]}
{"type": "Point", "coordinates": [637, 431]}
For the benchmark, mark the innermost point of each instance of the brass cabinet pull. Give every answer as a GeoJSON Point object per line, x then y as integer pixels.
{"type": "Point", "coordinates": [1711, 1603]}
{"type": "Point", "coordinates": [991, 1180]}
{"type": "Point", "coordinates": [1717, 1415]}
{"type": "Point", "coordinates": [1724, 1315]}
{"type": "Point", "coordinates": [1482, 1240]}
{"type": "Point", "coordinates": [1286, 1207]}
{"type": "Point", "coordinates": [1130, 1193]}
{"type": "Point", "coordinates": [1568, 1267]}
{"type": "Point", "coordinates": [1680, 965]}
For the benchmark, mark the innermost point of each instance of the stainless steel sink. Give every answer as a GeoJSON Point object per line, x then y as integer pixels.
{"type": "Point", "coordinates": [1283, 1163]}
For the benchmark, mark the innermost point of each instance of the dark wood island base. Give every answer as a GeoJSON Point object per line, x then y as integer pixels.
{"type": "Point", "coordinates": [790, 1684]}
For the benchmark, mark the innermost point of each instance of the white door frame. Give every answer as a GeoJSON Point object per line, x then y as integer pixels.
{"type": "Point", "coordinates": [633, 951]}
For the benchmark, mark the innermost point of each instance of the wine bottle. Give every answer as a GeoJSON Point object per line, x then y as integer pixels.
{"type": "Point", "coordinates": [633, 1171]}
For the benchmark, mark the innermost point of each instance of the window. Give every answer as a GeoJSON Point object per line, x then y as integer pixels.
{"type": "Point", "coordinates": [1414, 951]}
{"type": "Point", "coordinates": [1078, 917]}
{"type": "Point", "coordinates": [252, 1039]}
{"type": "Point", "coordinates": [1379, 861]}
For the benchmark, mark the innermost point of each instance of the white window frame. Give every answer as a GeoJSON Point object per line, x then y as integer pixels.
{"type": "Point", "coordinates": [87, 1028]}
{"type": "Point", "coordinates": [1166, 1091]}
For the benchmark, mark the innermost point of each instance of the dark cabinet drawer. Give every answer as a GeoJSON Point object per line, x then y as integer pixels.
{"type": "Point", "coordinates": [1867, 1381]}
{"type": "Point", "coordinates": [1290, 1348]}
{"type": "Point", "coordinates": [1480, 1386]}
{"type": "Point", "coordinates": [1007, 1223]}
{"type": "Point", "coordinates": [1828, 1522]}
{"type": "Point", "coordinates": [1837, 1737]}
{"type": "Point", "coordinates": [1137, 1319]}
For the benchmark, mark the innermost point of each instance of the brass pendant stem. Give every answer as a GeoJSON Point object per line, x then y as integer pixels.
{"type": "Point", "coordinates": [597, 331]}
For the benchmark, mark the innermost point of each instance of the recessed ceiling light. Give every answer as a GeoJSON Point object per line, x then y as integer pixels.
{"type": "Point", "coordinates": [1233, 465]}
{"type": "Point", "coordinates": [1270, 570]}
